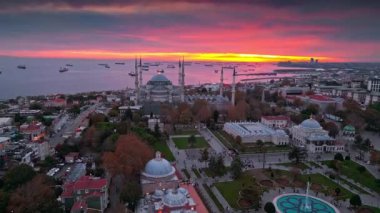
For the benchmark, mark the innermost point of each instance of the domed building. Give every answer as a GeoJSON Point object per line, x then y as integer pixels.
{"type": "Point", "coordinates": [158, 174]}
{"type": "Point", "coordinates": [159, 89]}
{"type": "Point", "coordinates": [310, 135]}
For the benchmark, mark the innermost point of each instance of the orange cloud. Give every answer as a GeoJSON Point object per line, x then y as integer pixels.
{"type": "Point", "coordinates": [101, 54]}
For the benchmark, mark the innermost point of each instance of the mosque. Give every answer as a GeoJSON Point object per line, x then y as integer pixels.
{"type": "Point", "coordinates": [164, 192]}
{"type": "Point", "coordinates": [159, 88]}
{"type": "Point", "coordinates": [310, 135]}
{"type": "Point", "coordinates": [158, 174]}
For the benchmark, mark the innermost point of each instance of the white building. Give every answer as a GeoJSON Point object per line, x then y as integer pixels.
{"type": "Point", "coordinates": [152, 124]}
{"type": "Point", "coordinates": [5, 121]}
{"type": "Point", "coordinates": [251, 132]}
{"type": "Point", "coordinates": [310, 135]}
{"type": "Point", "coordinates": [374, 85]}
{"type": "Point", "coordinates": [278, 122]}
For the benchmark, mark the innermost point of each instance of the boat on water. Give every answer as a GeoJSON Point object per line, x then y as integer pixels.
{"type": "Point", "coordinates": [209, 65]}
{"type": "Point", "coordinates": [63, 69]}
{"type": "Point", "coordinates": [103, 64]}
{"type": "Point", "coordinates": [145, 66]}
{"type": "Point", "coordinates": [146, 69]}
{"type": "Point", "coordinates": [160, 71]}
{"type": "Point", "coordinates": [69, 65]}
{"type": "Point", "coordinates": [170, 66]}
{"type": "Point", "coordinates": [156, 64]}
{"type": "Point", "coordinates": [107, 66]}
{"type": "Point", "coordinates": [132, 74]}
{"type": "Point", "coordinates": [119, 63]}
{"type": "Point", "coordinates": [21, 67]}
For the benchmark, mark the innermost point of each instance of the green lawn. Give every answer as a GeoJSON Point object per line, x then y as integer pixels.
{"type": "Point", "coordinates": [212, 196]}
{"type": "Point", "coordinates": [223, 139]}
{"type": "Point", "coordinates": [328, 185]}
{"type": "Point", "coordinates": [350, 170]}
{"type": "Point", "coordinates": [186, 173]}
{"type": "Point", "coordinates": [300, 165]}
{"type": "Point", "coordinates": [352, 186]}
{"type": "Point", "coordinates": [186, 132]}
{"type": "Point", "coordinates": [313, 164]}
{"type": "Point", "coordinates": [230, 190]}
{"type": "Point", "coordinates": [209, 173]}
{"type": "Point", "coordinates": [164, 149]}
{"type": "Point", "coordinates": [373, 209]}
{"type": "Point", "coordinates": [196, 172]}
{"type": "Point", "coordinates": [181, 143]}
{"type": "Point", "coordinates": [229, 142]}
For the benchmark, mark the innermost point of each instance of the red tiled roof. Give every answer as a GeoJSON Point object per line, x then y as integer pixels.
{"type": "Point", "coordinates": [79, 205]}
{"type": "Point", "coordinates": [320, 98]}
{"type": "Point", "coordinates": [34, 126]}
{"type": "Point", "coordinates": [87, 182]}
{"type": "Point", "coordinates": [279, 117]}
{"type": "Point", "coordinates": [59, 100]}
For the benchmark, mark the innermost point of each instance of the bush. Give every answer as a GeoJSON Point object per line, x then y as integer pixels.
{"type": "Point", "coordinates": [355, 200]}
{"type": "Point", "coordinates": [338, 156]}
{"type": "Point", "coordinates": [332, 176]}
{"type": "Point", "coordinates": [361, 169]}
{"type": "Point", "coordinates": [347, 158]}
{"type": "Point", "coordinates": [269, 208]}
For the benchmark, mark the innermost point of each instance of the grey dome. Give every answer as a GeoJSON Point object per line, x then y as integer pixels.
{"type": "Point", "coordinates": [173, 198]}
{"type": "Point", "coordinates": [159, 79]}
{"type": "Point", "coordinates": [310, 124]}
{"type": "Point", "coordinates": [158, 167]}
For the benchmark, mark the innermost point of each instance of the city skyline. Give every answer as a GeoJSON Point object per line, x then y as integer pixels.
{"type": "Point", "coordinates": [243, 31]}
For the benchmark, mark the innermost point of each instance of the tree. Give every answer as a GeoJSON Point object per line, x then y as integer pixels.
{"type": "Point", "coordinates": [18, 176]}
{"type": "Point", "coordinates": [191, 140]}
{"type": "Point", "coordinates": [204, 154]}
{"type": "Point", "coordinates": [298, 102]}
{"type": "Point", "coordinates": [216, 165]}
{"type": "Point", "coordinates": [311, 109]}
{"type": "Point", "coordinates": [332, 128]}
{"type": "Point", "coordinates": [131, 193]}
{"type": "Point", "coordinates": [74, 110]}
{"type": "Point", "coordinates": [261, 146]}
{"type": "Point", "coordinates": [37, 195]}
{"type": "Point", "coordinates": [331, 109]}
{"type": "Point", "coordinates": [269, 208]}
{"type": "Point", "coordinates": [337, 191]}
{"type": "Point", "coordinates": [355, 201]}
{"type": "Point", "coordinates": [298, 154]}
{"type": "Point", "coordinates": [157, 132]}
{"type": "Point", "coordinates": [215, 116]}
{"type": "Point", "coordinates": [338, 156]}
{"type": "Point", "coordinates": [131, 155]}
{"type": "Point", "coordinates": [236, 168]}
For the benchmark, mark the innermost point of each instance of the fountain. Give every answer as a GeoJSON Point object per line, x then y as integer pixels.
{"type": "Point", "coordinates": [302, 203]}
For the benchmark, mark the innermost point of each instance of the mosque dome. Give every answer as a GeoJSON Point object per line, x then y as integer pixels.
{"type": "Point", "coordinates": [310, 124]}
{"type": "Point", "coordinates": [173, 198]}
{"type": "Point", "coordinates": [158, 167]}
{"type": "Point", "coordinates": [159, 79]}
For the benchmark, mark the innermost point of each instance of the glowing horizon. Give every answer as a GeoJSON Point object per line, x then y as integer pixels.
{"type": "Point", "coordinates": [205, 56]}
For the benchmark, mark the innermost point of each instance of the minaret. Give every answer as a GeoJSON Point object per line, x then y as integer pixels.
{"type": "Point", "coordinates": [221, 83]}
{"type": "Point", "coordinates": [183, 80]}
{"type": "Point", "coordinates": [179, 73]}
{"type": "Point", "coordinates": [137, 87]}
{"type": "Point", "coordinates": [140, 74]}
{"type": "Point", "coordinates": [233, 88]}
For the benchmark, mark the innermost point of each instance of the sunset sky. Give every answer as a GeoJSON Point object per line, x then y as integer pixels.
{"type": "Point", "coordinates": [245, 30]}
